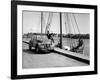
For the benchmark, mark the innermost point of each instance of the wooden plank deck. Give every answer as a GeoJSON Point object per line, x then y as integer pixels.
{"type": "Point", "coordinates": [77, 56]}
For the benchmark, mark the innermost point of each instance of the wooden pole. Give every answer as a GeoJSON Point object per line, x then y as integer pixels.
{"type": "Point", "coordinates": [41, 22]}
{"type": "Point", "coordinates": [60, 30]}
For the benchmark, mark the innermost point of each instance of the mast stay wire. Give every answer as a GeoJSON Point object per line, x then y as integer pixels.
{"type": "Point", "coordinates": [76, 23]}
{"type": "Point", "coordinates": [82, 46]}
{"type": "Point", "coordinates": [48, 25]}
{"type": "Point", "coordinates": [66, 24]}
{"type": "Point", "coordinates": [73, 26]}
{"type": "Point", "coordinates": [67, 17]}
{"type": "Point", "coordinates": [68, 20]}
{"type": "Point", "coordinates": [72, 23]}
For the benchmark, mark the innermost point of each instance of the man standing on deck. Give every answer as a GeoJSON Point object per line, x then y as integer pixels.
{"type": "Point", "coordinates": [50, 36]}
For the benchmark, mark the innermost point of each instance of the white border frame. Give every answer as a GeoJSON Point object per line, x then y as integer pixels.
{"type": "Point", "coordinates": [21, 71]}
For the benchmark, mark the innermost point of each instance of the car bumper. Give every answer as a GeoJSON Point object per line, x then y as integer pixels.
{"type": "Point", "coordinates": [45, 47]}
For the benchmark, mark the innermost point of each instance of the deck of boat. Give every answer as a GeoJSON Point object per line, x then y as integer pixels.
{"type": "Point", "coordinates": [77, 56]}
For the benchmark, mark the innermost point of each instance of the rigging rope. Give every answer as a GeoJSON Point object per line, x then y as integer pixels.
{"type": "Point", "coordinates": [76, 24]}
{"type": "Point", "coordinates": [80, 42]}
{"type": "Point", "coordinates": [72, 23]}
{"type": "Point", "coordinates": [66, 23]}
{"type": "Point", "coordinates": [68, 20]}
{"type": "Point", "coordinates": [48, 25]}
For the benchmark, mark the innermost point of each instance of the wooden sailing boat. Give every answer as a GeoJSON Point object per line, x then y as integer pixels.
{"type": "Point", "coordinates": [78, 48]}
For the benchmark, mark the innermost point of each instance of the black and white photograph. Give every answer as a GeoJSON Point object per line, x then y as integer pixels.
{"type": "Point", "coordinates": [53, 39]}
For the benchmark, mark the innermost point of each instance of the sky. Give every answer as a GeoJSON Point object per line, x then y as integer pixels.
{"type": "Point", "coordinates": [70, 22]}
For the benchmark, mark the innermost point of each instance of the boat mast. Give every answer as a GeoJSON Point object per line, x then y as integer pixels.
{"type": "Point", "coordinates": [41, 22]}
{"type": "Point", "coordinates": [60, 30]}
